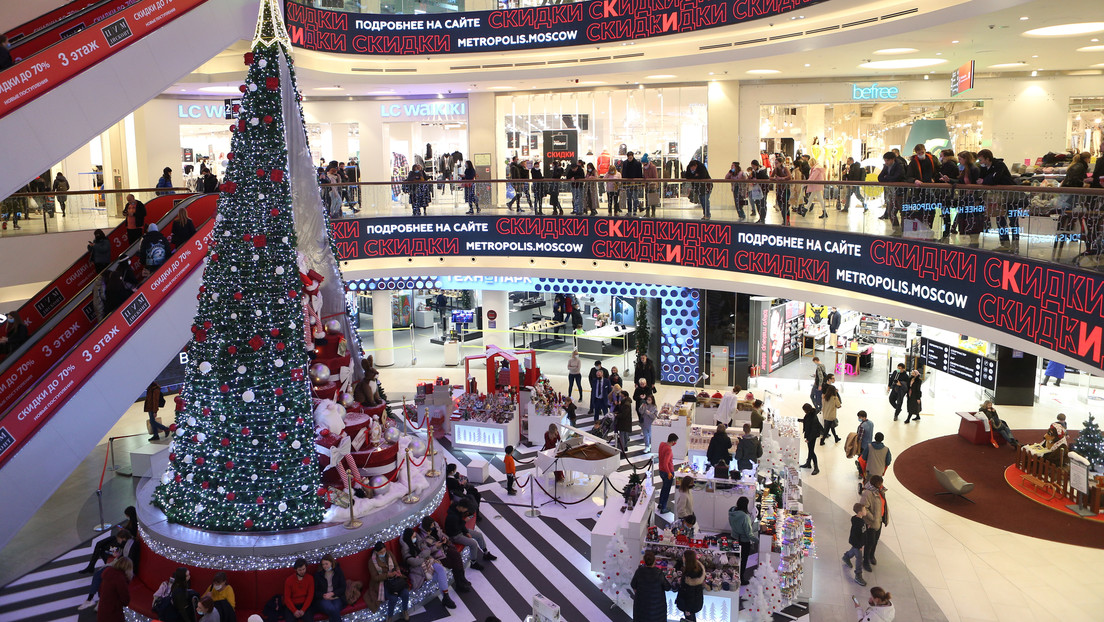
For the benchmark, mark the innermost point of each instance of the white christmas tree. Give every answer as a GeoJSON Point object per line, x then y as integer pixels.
{"type": "Point", "coordinates": [772, 454]}
{"type": "Point", "coordinates": [757, 608]}
{"type": "Point", "coordinates": [764, 594]}
{"type": "Point", "coordinates": [617, 571]}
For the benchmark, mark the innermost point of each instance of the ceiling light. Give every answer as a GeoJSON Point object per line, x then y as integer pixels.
{"type": "Point", "coordinates": [808, 65]}
{"type": "Point", "coordinates": [592, 82]}
{"type": "Point", "coordinates": [896, 51]}
{"type": "Point", "coordinates": [327, 88]}
{"type": "Point", "coordinates": [1091, 48]}
{"type": "Point", "coordinates": [1094, 40]}
{"type": "Point", "coordinates": [904, 63]}
{"type": "Point", "coordinates": [220, 89]}
{"type": "Point", "coordinates": [1066, 30]}
{"type": "Point", "coordinates": [955, 41]}
{"type": "Point", "coordinates": [1034, 73]}
{"type": "Point", "coordinates": [1034, 56]}
{"type": "Point", "coordinates": [763, 72]}
{"type": "Point", "coordinates": [925, 76]}
{"type": "Point", "coordinates": [1024, 18]}
{"type": "Point", "coordinates": [660, 76]}
{"type": "Point", "coordinates": [1007, 65]}
{"type": "Point", "coordinates": [383, 92]}
{"type": "Point", "coordinates": [1097, 65]}
{"type": "Point", "coordinates": [500, 88]}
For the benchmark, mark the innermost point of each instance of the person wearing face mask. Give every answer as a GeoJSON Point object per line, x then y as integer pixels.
{"type": "Point", "coordinates": [206, 610]}
{"type": "Point", "coordinates": [631, 168]}
{"type": "Point", "coordinates": [15, 334]}
{"type": "Point", "coordinates": [220, 590]}
{"type": "Point", "coordinates": [994, 172]}
{"type": "Point", "coordinates": [739, 191]}
{"type": "Point", "coordinates": [386, 582]}
{"type": "Point", "coordinates": [423, 565]}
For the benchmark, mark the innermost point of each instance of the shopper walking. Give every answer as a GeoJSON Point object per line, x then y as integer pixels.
{"type": "Point", "coordinates": [748, 449]}
{"type": "Point", "coordinates": [1055, 370]}
{"type": "Point", "coordinates": [574, 373]}
{"type": "Point", "coordinates": [61, 186]}
{"type": "Point", "coordinates": [691, 593]}
{"type": "Point", "coordinates": [540, 189]}
{"type": "Point", "coordinates": [880, 609]}
{"type": "Point", "coordinates": [781, 173]}
{"type": "Point", "coordinates": [591, 190]}
{"type": "Point", "coordinates": [815, 192]}
{"type": "Point", "coordinates": [555, 174]}
{"type": "Point", "coordinates": [811, 429]}
{"type": "Point", "coordinates": [994, 172]}
{"type": "Point", "coordinates": [877, 516]}
{"type": "Point", "coordinates": [734, 174]}
{"type": "Point", "coordinates": [648, 413]}
{"type": "Point", "coordinates": [854, 172]}
{"type": "Point", "coordinates": [651, 188]}
{"type": "Point", "coordinates": [912, 398]}
{"type": "Point", "coordinates": [865, 432]}
{"type": "Point", "coordinates": [757, 193]}
{"type": "Point", "coordinates": [857, 539]}
{"type": "Point", "coordinates": [744, 532]}
{"type": "Point", "coordinates": [471, 197]}
{"type": "Point", "coordinates": [575, 174]}
{"type": "Point", "coordinates": [623, 422]}
{"type": "Point", "coordinates": [644, 370]}
{"type": "Point", "coordinates": [819, 376]}
{"type": "Point", "coordinates": [897, 389]}
{"type": "Point", "coordinates": [892, 172]}
{"type": "Point", "coordinates": [641, 391]}
{"type": "Point", "coordinates": [877, 456]}
{"type": "Point", "coordinates": [702, 189]}
{"type": "Point", "coordinates": [613, 207]}
{"type": "Point", "coordinates": [632, 169]}
{"type": "Point", "coordinates": [649, 597]}
{"type": "Point", "coordinates": [832, 402]}
{"type": "Point", "coordinates": [418, 190]}
{"type": "Point", "coordinates": [666, 469]}
{"type": "Point", "coordinates": [154, 401]}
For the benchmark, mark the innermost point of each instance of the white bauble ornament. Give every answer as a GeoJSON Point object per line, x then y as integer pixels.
{"type": "Point", "coordinates": [189, 477]}
{"type": "Point", "coordinates": [260, 196]}
{"type": "Point", "coordinates": [241, 369]}
{"type": "Point", "coordinates": [254, 121]}
{"type": "Point", "coordinates": [167, 477]}
{"type": "Point", "coordinates": [234, 316]}
{"type": "Point", "coordinates": [205, 367]}
{"type": "Point", "coordinates": [222, 417]}
{"type": "Point", "coordinates": [333, 326]}
{"type": "Point", "coordinates": [347, 399]}
{"type": "Point", "coordinates": [304, 488]}
{"type": "Point", "coordinates": [281, 409]}
{"type": "Point", "coordinates": [233, 268]}
{"type": "Point", "coordinates": [257, 313]}
{"type": "Point", "coordinates": [279, 269]}
{"type": "Point", "coordinates": [255, 442]}
{"type": "Point", "coordinates": [391, 435]}
{"type": "Point", "coordinates": [418, 447]}
{"type": "Point", "coordinates": [191, 420]}
{"type": "Point", "coordinates": [379, 483]}
{"type": "Point", "coordinates": [319, 374]}
{"type": "Point", "coordinates": [218, 218]}
{"type": "Point", "coordinates": [247, 396]}
{"type": "Point", "coordinates": [226, 233]}
{"type": "Point", "coordinates": [214, 296]}
{"type": "Point", "coordinates": [180, 432]}
{"type": "Point", "coordinates": [284, 239]}
{"type": "Point", "coordinates": [296, 444]}
{"type": "Point", "coordinates": [256, 256]}
{"type": "Point", "coordinates": [199, 508]}
{"type": "Point", "coordinates": [188, 459]}
{"type": "Point", "coordinates": [252, 87]}
{"type": "Point", "coordinates": [201, 437]}
{"type": "Point", "coordinates": [278, 362]}
{"type": "Point", "coordinates": [282, 507]}
{"type": "Point", "coordinates": [253, 477]}
{"type": "Point", "coordinates": [222, 490]}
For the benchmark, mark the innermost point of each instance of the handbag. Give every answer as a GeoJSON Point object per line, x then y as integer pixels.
{"type": "Point", "coordinates": [395, 585]}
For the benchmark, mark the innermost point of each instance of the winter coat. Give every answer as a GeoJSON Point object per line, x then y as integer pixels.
{"type": "Point", "coordinates": [153, 399]}
{"type": "Point", "coordinates": [873, 500]}
{"type": "Point", "coordinates": [691, 592]}
{"type": "Point", "coordinates": [1054, 369]}
{"type": "Point", "coordinates": [739, 523]}
{"type": "Point", "coordinates": [810, 426]}
{"type": "Point", "coordinates": [1075, 175]}
{"type": "Point", "coordinates": [997, 174]}
{"type": "Point", "coordinates": [720, 447]}
{"type": "Point", "coordinates": [648, 414]}
{"type": "Point", "coordinates": [883, 613]}
{"type": "Point", "coordinates": [892, 173]}
{"type": "Point", "coordinates": [829, 407]}
{"type": "Point", "coordinates": [749, 448]}
{"type": "Point", "coordinates": [182, 233]}
{"type": "Point", "coordinates": [100, 251]}
{"type": "Point", "coordinates": [650, 602]}
{"type": "Point", "coordinates": [921, 168]}
{"type": "Point", "coordinates": [624, 416]}
{"type": "Point", "coordinates": [632, 169]}
{"type": "Point", "coordinates": [878, 458]}
{"type": "Point", "coordinates": [376, 577]}
{"type": "Point", "coordinates": [338, 585]}
{"type": "Point", "coordinates": [114, 595]}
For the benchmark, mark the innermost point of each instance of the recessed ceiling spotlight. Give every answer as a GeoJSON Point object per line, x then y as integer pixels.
{"type": "Point", "coordinates": [1066, 30]}
{"type": "Point", "coordinates": [955, 41]}
{"type": "Point", "coordinates": [763, 72]}
{"type": "Point", "coordinates": [888, 51]}
{"type": "Point", "coordinates": [1034, 73]}
{"type": "Point", "coordinates": [660, 76]}
{"type": "Point", "coordinates": [1024, 18]}
{"type": "Point", "coordinates": [808, 65]}
{"type": "Point", "coordinates": [903, 63]}
{"type": "Point", "coordinates": [500, 88]}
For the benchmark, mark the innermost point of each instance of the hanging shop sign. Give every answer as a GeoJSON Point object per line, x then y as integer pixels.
{"type": "Point", "coordinates": [441, 110]}
{"type": "Point", "coordinates": [962, 79]}
{"type": "Point", "coordinates": [578, 23]}
{"type": "Point", "coordinates": [559, 146]}
{"type": "Point", "coordinates": [1056, 307]}
{"type": "Point", "coordinates": [962, 364]}
{"type": "Point", "coordinates": [874, 92]}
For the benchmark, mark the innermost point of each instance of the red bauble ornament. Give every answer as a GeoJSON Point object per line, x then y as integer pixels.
{"type": "Point", "coordinates": [202, 288]}
{"type": "Point", "coordinates": [279, 391]}
{"type": "Point", "coordinates": [225, 388]}
{"type": "Point", "coordinates": [172, 457]}
{"type": "Point", "coordinates": [238, 296]}
{"type": "Point", "coordinates": [179, 403]}
{"type": "Point", "coordinates": [272, 83]}
{"type": "Point", "coordinates": [241, 125]}
{"type": "Point", "coordinates": [280, 346]}
{"type": "Point", "coordinates": [205, 485]}
{"type": "Point", "coordinates": [194, 329]}
{"type": "Point", "coordinates": [229, 464]}
{"type": "Point", "coordinates": [298, 421]}
{"type": "Point", "coordinates": [243, 88]}
{"type": "Point", "coordinates": [232, 350]}
{"type": "Point", "coordinates": [321, 492]}
{"type": "Point", "coordinates": [260, 499]}
{"type": "Point", "coordinates": [268, 118]}
{"type": "Point", "coordinates": [225, 442]}
{"type": "Point", "coordinates": [281, 435]}
{"type": "Point", "coordinates": [231, 496]}
{"type": "Point", "coordinates": [249, 523]}
{"type": "Point", "coordinates": [275, 466]}
{"type": "Point", "coordinates": [206, 411]}
{"type": "Point", "coordinates": [172, 427]}
{"type": "Point", "coordinates": [277, 176]}
{"type": "Point", "coordinates": [200, 461]}
{"type": "Point", "coordinates": [195, 438]}
{"type": "Point", "coordinates": [201, 336]}
{"type": "Point", "coordinates": [178, 479]}
{"type": "Point", "coordinates": [274, 212]}
{"type": "Point", "coordinates": [297, 374]}
{"type": "Point", "coordinates": [324, 433]}
{"type": "Point", "coordinates": [275, 332]}
{"type": "Point", "coordinates": [306, 461]}
{"type": "Point", "coordinates": [214, 256]}
{"type": "Point", "coordinates": [245, 431]}
{"type": "Point", "coordinates": [229, 187]}
{"type": "Point", "coordinates": [260, 172]}
{"type": "Point", "coordinates": [256, 342]}
{"type": "Point", "coordinates": [259, 241]}
{"type": "Point", "coordinates": [234, 127]}
{"type": "Point", "coordinates": [249, 58]}
{"type": "Point", "coordinates": [292, 293]}
{"type": "Point", "coordinates": [207, 324]}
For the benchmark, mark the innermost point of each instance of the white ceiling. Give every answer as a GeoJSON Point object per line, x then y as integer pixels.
{"type": "Point", "coordinates": [992, 35]}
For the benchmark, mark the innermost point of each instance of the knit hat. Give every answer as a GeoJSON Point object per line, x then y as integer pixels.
{"type": "Point", "coordinates": [152, 227]}
{"type": "Point", "coordinates": [644, 158]}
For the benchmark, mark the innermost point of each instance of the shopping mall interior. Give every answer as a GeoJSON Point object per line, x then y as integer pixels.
{"type": "Point", "coordinates": [277, 267]}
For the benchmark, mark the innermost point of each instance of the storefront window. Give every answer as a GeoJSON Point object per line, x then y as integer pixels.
{"type": "Point", "coordinates": [600, 127]}
{"type": "Point", "coordinates": [1086, 124]}
{"type": "Point", "coordinates": [208, 144]}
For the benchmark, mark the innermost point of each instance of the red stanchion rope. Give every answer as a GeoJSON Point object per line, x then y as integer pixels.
{"type": "Point", "coordinates": [114, 438]}
{"type": "Point", "coordinates": [103, 471]}
{"type": "Point", "coordinates": [411, 423]}
{"type": "Point", "coordinates": [522, 486]}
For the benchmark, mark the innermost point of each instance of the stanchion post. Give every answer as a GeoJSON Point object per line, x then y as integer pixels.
{"type": "Point", "coordinates": [111, 450]}
{"type": "Point", "coordinates": [532, 512]}
{"type": "Point", "coordinates": [352, 523]}
{"type": "Point", "coordinates": [409, 497]}
{"type": "Point", "coordinates": [405, 429]}
{"type": "Point", "coordinates": [102, 526]}
{"type": "Point", "coordinates": [432, 472]}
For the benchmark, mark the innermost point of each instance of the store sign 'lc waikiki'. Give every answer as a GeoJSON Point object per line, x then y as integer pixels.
{"type": "Point", "coordinates": [874, 92]}
{"type": "Point", "coordinates": [420, 110]}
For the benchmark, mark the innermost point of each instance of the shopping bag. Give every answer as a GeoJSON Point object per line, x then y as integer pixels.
{"type": "Point", "coordinates": [510, 192]}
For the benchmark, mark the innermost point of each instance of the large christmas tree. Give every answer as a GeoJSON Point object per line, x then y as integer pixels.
{"type": "Point", "coordinates": [242, 455]}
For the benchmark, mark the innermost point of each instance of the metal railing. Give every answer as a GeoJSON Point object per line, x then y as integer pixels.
{"type": "Point", "coordinates": [1064, 225]}
{"type": "Point", "coordinates": [35, 213]}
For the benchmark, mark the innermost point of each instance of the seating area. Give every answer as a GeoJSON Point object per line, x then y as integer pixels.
{"type": "Point", "coordinates": [976, 429]}
{"type": "Point", "coordinates": [953, 484]}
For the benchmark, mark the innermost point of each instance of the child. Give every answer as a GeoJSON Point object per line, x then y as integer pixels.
{"type": "Point", "coordinates": [569, 408]}
{"type": "Point", "coordinates": [855, 539]}
{"type": "Point", "coordinates": [511, 470]}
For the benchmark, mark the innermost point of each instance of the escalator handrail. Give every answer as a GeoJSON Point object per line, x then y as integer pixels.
{"type": "Point", "coordinates": [62, 23]}
{"type": "Point", "coordinates": [17, 357]}
{"type": "Point", "coordinates": [26, 29]}
{"type": "Point", "coordinates": [43, 71]}
{"type": "Point", "coordinates": [65, 377]}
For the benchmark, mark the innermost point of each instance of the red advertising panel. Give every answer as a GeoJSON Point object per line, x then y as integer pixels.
{"type": "Point", "coordinates": [20, 423]}
{"type": "Point", "coordinates": [43, 71]}
{"type": "Point", "coordinates": [72, 24]}
{"type": "Point", "coordinates": [46, 20]}
{"type": "Point", "coordinates": [962, 79]}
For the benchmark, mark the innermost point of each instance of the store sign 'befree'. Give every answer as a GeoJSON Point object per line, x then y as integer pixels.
{"type": "Point", "coordinates": [530, 28]}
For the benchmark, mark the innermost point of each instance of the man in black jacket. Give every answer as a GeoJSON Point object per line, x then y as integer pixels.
{"type": "Point", "coordinates": [555, 174]}
{"type": "Point", "coordinates": [457, 531]}
{"type": "Point", "coordinates": [576, 173]}
{"type": "Point", "coordinates": [518, 171]}
{"type": "Point", "coordinates": [631, 168]}
{"type": "Point", "coordinates": [898, 386]}
{"type": "Point", "coordinates": [758, 172]}
{"type": "Point", "coordinates": [854, 172]}
{"type": "Point", "coordinates": [995, 173]}
{"type": "Point", "coordinates": [892, 171]}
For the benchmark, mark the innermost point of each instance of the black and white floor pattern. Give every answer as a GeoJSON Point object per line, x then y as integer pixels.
{"type": "Point", "coordinates": [547, 555]}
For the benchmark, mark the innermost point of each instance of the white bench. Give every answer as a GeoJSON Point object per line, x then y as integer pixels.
{"type": "Point", "coordinates": [141, 459]}
{"type": "Point", "coordinates": [478, 471]}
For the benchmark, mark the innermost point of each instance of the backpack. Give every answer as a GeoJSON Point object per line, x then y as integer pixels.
{"type": "Point", "coordinates": [273, 609]}
{"type": "Point", "coordinates": [156, 254]}
{"type": "Point", "coordinates": [162, 598]}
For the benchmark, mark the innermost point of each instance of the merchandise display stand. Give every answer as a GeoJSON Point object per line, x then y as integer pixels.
{"type": "Point", "coordinates": [633, 523]}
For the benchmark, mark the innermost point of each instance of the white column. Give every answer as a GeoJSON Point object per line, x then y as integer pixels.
{"type": "Point", "coordinates": [382, 336]}
{"type": "Point", "coordinates": [499, 304]}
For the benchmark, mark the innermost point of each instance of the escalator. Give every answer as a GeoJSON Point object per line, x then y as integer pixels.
{"type": "Point", "coordinates": [64, 94]}
{"type": "Point", "coordinates": [95, 372]}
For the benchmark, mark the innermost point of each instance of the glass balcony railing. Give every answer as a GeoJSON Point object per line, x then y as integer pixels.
{"type": "Point", "coordinates": [416, 7]}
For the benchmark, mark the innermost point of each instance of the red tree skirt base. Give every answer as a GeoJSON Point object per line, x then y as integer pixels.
{"type": "Point", "coordinates": [1043, 496]}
